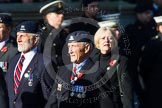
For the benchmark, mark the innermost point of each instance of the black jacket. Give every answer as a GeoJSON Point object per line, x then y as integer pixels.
{"type": "Point", "coordinates": [52, 43]}
{"type": "Point", "coordinates": [3, 95]}
{"type": "Point", "coordinates": [60, 96]}
{"type": "Point", "coordinates": [119, 82]}
{"type": "Point", "coordinates": [100, 92]}
{"type": "Point", "coordinates": [150, 71]}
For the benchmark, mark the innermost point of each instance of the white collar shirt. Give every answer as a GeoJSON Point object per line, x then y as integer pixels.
{"type": "Point", "coordinates": [28, 58]}
{"type": "Point", "coordinates": [2, 44]}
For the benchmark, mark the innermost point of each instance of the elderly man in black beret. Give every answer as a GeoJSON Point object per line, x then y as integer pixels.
{"type": "Point", "coordinates": [72, 82]}
{"type": "Point", "coordinates": [28, 82]}
{"type": "Point", "coordinates": [7, 43]}
{"type": "Point", "coordinates": [53, 17]}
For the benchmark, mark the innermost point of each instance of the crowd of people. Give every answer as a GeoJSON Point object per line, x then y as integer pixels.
{"type": "Point", "coordinates": [81, 65]}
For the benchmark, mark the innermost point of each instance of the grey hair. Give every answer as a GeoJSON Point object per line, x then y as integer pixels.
{"type": "Point", "coordinates": [35, 35]}
{"type": "Point", "coordinates": [91, 45]}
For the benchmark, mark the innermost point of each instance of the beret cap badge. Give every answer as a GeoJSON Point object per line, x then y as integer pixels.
{"type": "Point", "coordinates": [22, 28]}
{"type": "Point", "coordinates": [79, 36]}
{"type": "Point", "coordinates": [59, 4]}
{"type": "Point", "coordinates": [71, 38]}
{"type": "Point", "coordinates": [28, 27]}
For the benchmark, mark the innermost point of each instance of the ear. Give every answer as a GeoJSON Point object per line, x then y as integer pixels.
{"type": "Point", "coordinates": [36, 40]}
{"type": "Point", "coordinates": [87, 48]}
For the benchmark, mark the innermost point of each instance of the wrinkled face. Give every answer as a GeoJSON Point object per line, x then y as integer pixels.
{"type": "Point", "coordinates": [26, 42]}
{"type": "Point", "coordinates": [92, 9]}
{"type": "Point", "coordinates": [77, 52]}
{"type": "Point", "coordinates": [105, 42]}
{"type": "Point", "coordinates": [4, 32]}
{"type": "Point", "coordinates": [54, 19]}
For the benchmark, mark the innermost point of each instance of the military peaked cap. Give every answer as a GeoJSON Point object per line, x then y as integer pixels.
{"type": "Point", "coordinates": [55, 6]}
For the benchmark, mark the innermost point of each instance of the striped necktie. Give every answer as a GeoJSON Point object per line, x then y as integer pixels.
{"type": "Point", "coordinates": [75, 69]}
{"type": "Point", "coordinates": [18, 74]}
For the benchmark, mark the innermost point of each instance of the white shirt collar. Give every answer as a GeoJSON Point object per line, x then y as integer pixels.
{"type": "Point", "coordinates": [2, 44]}
{"type": "Point", "coordinates": [28, 58]}
{"type": "Point", "coordinates": [30, 53]}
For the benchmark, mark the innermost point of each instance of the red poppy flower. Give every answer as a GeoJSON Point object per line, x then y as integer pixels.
{"type": "Point", "coordinates": [112, 62]}
{"type": "Point", "coordinates": [4, 49]}
{"type": "Point", "coordinates": [80, 75]}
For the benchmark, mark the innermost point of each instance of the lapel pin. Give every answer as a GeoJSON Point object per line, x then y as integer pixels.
{"type": "Point", "coordinates": [108, 68]}
{"type": "Point", "coordinates": [26, 75]}
{"type": "Point", "coordinates": [59, 87]}
{"type": "Point", "coordinates": [75, 78]}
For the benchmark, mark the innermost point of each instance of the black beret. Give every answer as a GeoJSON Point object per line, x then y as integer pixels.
{"type": "Point", "coordinates": [79, 36]}
{"type": "Point", "coordinates": [6, 18]}
{"type": "Point", "coordinates": [55, 6]}
{"type": "Point", "coordinates": [28, 27]}
{"type": "Point", "coordinates": [86, 2]}
{"type": "Point", "coordinates": [143, 6]}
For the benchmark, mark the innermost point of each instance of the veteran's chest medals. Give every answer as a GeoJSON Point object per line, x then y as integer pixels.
{"type": "Point", "coordinates": [77, 90]}
{"type": "Point", "coordinates": [29, 77]}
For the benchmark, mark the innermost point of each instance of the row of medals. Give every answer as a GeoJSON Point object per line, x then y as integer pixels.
{"type": "Point", "coordinates": [77, 89]}
{"type": "Point", "coordinates": [29, 76]}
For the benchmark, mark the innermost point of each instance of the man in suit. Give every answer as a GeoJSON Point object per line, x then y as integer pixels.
{"type": "Point", "coordinates": [7, 43]}
{"type": "Point", "coordinates": [28, 82]}
{"type": "Point", "coordinates": [78, 75]}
